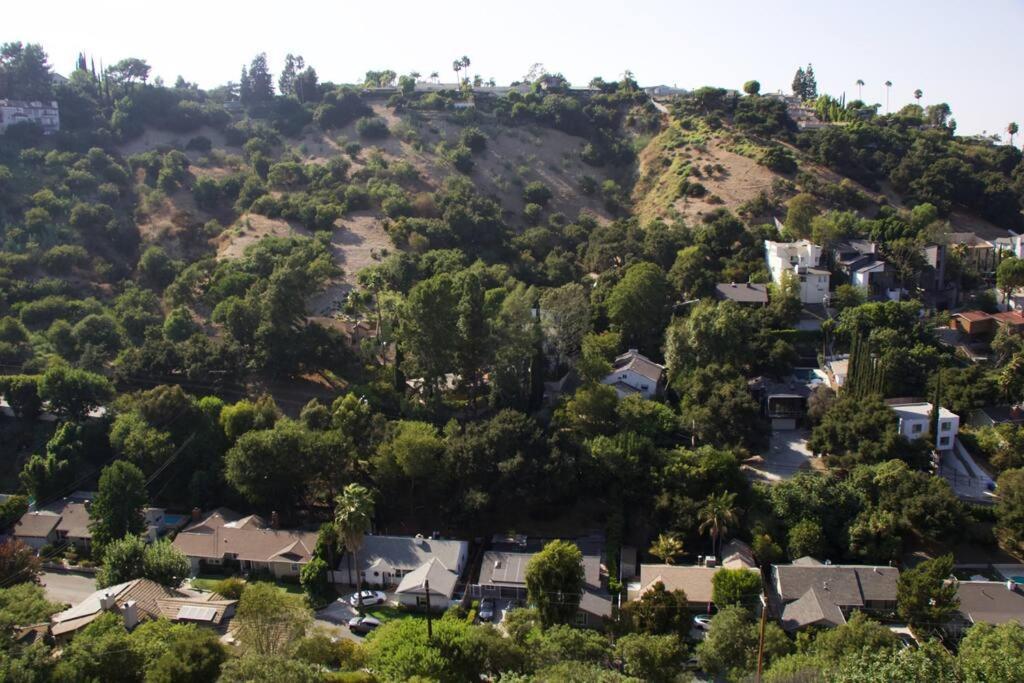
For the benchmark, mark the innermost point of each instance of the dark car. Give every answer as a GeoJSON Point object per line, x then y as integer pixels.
{"type": "Point", "coordinates": [486, 610]}
{"type": "Point", "coordinates": [362, 625]}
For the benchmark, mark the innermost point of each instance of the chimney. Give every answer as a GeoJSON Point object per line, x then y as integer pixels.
{"type": "Point", "coordinates": [196, 514]}
{"type": "Point", "coordinates": [275, 520]}
{"type": "Point", "coordinates": [1011, 586]}
{"type": "Point", "coordinates": [108, 601]}
{"type": "Point", "coordinates": [130, 611]}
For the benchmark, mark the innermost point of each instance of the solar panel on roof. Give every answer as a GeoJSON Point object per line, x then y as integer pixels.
{"type": "Point", "coordinates": [196, 613]}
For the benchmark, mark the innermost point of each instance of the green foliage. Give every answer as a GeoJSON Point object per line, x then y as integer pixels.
{"type": "Point", "coordinates": [269, 620]}
{"type": "Point", "coordinates": [554, 582]}
{"type": "Point", "coordinates": [72, 393]}
{"type": "Point", "coordinates": [735, 587]}
{"type": "Point", "coordinates": [372, 128]}
{"type": "Point", "coordinates": [117, 510]}
{"type": "Point", "coordinates": [132, 558]}
{"type": "Point", "coordinates": [731, 646]}
{"type": "Point", "coordinates": [924, 598]}
{"type": "Point", "coordinates": [657, 612]}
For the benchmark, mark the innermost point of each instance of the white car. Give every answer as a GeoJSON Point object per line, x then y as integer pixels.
{"type": "Point", "coordinates": [703, 622]}
{"type": "Point", "coordinates": [369, 598]}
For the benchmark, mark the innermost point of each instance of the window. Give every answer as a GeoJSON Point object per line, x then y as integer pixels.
{"type": "Point", "coordinates": [916, 428]}
{"type": "Point", "coordinates": [946, 426]}
{"type": "Point", "coordinates": [295, 567]}
{"type": "Point", "coordinates": [581, 618]}
{"type": "Point", "coordinates": [944, 441]}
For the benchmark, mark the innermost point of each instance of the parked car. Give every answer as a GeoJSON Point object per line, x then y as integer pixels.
{"type": "Point", "coordinates": [362, 625]}
{"type": "Point", "coordinates": [369, 598]}
{"type": "Point", "coordinates": [703, 622]}
{"type": "Point", "coordinates": [485, 612]}
{"type": "Point", "coordinates": [907, 641]}
{"type": "Point", "coordinates": [692, 664]}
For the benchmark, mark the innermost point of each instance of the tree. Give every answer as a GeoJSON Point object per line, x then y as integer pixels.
{"type": "Point", "coordinates": [275, 464]}
{"type": "Point", "coordinates": [918, 94]}
{"type": "Point", "coordinates": [18, 563]}
{"type": "Point", "coordinates": [717, 515]}
{"type": "Point", "coordinates": [565, 318]}
{"type": "Point", "coordinates": [806, 539]}
{"type": "Point", "coordinates": [649, 657]}
{"type": "Point", "coordinates": [925, 596]}
{"type": "Point", "coordinates": [1012, 129]}
{"type": "Point", "coordinates": [25, 72]}
{"type": "Point", "coordinates": [102, 651]}
{"type": "Point", "coordinates": [253, 667]}
{"type": "Point", "coordinates": [22, 394]}
{"type": "Point", "coordinates": [717, 406]}
{"type": "Point", "coordinates": [164, 563]}
{"type": "Point", "coordinates": [72, 393]}
{"type": "Point", "coordinates": [638, 306]}
{"type": "Point", "coordinates": [752, 87]}
{"type": "Point", "coordinates": [1010, 510]}
{"type": "Point", "coordinates": [1009, 276]}
{"type": "Point", "coordinates": [269, 620]}
{"type": "Point", "coordinates": [691, 274]}
{"type": "Point", "coordinates": [127, 71]}
{"type": "Point", "coordinates": [194, 656]}
{"type": "Point", "coordinates": [667, 547]}
{"type": "Point", "coordinates": [888, 87]}
{"type": "Point", "coordinates": [800, 210]}
{"type": "Point", "coordinates": [410, 454]}
{"type": "Point", "coordinates": [353, 517]}
{"type": "Point", "coordinates": [657, 611]}
{"type": "Point", "coordinates": [860, 89]}
{"type": "Point", "coordinates": [731, 646]}
{"type": "Point", "coordinates": [992, 653]}
{"type": "Point", "coordinates": [735, 587]}
{"type": "Point", "coordinates": [260, 82]}
{"type": "Point", "coordinates": [122, 561]}
{"type": "Point", "coordinates": [554, 582]}
{"type": "Point", "coordinates": [23, 603]}
{"type": "Point", "coordinates": [117, 510]}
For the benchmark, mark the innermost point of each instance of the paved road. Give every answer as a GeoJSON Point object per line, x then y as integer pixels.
{"type": "Point", "coordinates": [66, 587]}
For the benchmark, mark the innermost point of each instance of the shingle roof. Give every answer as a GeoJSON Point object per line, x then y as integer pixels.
{"type": "Point", "coordinates": [990, 602]}
{"type": "Point", "coordinates": [246, 538]}
{"type": "Point", "coordinates": [695, 581]}
{"type": "Point", "coordinates": [38, 524]}
{"type": "Point", "coordinates": [813, 607]}
{"type": "Point", "coordinates": [638, 363]}
{"type": "Point", "coordinates": [408, 552]}
{"type": "Point", "coordinates": [67, 516]}
{"type": "Point", "coordinates": [843, 585]}
{"type": "Point", "coordinates": [509, 568]}
{"type": "Point", "coordinates": [441, 579]}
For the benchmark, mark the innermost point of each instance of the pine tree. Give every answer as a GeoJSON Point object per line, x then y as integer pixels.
{"type": "Point", "coordinates": [810, 84]}
{"type": "Point", "coordinates": [245, 87]}
{"type": "Point", "coordinates": [261, 80]}
{"type": "Point", "coordinates": [799, 82]}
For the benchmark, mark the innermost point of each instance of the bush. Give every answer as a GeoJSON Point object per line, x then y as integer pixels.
{"type": "Point", "coordinates": [474, 139]}
{"type": "Point", "coordinates": [778, 159]}
{"type": "Point", "coordinates": [372, 127]}
{"type": "Point", "coordinates": [200, 143]}
{"type": "Point", "coordinates": [230, 588]}
{"type": "Point", "coordinates": [536, 192]}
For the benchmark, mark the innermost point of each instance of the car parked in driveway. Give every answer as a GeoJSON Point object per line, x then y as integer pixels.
{"type": "Point", "coordinates": [486, 610]}
{"type": "Point", "coordinates": [362, 625]}
{"type": "Point", "coordinates": [369, 598]}
{"type": "Point", "coordinates": [703, 622]}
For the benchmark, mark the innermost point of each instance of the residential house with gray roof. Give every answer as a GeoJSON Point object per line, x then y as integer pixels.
{"type": "Point", "coordinates": [810, 593]}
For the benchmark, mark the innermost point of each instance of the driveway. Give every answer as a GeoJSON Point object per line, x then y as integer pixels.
{"type": "Point", "coordinates": [66, 587]}
{"type": "Point", "coordinates": [787, 455]}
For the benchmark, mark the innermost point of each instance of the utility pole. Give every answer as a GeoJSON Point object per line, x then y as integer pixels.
{"type": "Point", "coordinates": [760, 637]}
{"type": "Point", "coordinates": [430, 628]}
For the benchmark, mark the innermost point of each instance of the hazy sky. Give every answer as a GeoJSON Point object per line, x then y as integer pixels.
{"type": "Point", "coordinates": [966, 53]}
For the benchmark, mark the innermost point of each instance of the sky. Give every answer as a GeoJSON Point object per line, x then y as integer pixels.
{"type": "Point", "coordinates": [967, 54]}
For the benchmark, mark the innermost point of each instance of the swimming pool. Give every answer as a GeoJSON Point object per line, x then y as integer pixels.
{"type": "Point", "coordinates": [174, 520]}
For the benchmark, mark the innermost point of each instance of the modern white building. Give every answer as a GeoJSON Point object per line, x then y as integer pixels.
{"type": "Point", "coordinates": [46, 114]}
{"type": "Point", "coordinates": [802, 258]}
{"type": "Point", "coordinates": [634, 373]}
{"type": "Point", "coordinates": [914, 419]}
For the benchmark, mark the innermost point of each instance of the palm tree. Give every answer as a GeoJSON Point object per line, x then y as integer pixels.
{"type": "Point", "coordinates": [888, 85]}
{"type": "Point", "coordinates": [465, 65]}
{"type": "Point", "coordinates": [717, 515]}
{"type": "Point", "coordinates": [1012, 129]}
{"type": "Point", "coordinates": [667, 547]}
{"type": "Point", "coordinates": [918, 94]}
{"type": "Point", "coordinates": [434, 76]}
{"type": "Point", "coordinates": [457, 67]}
{"type": "Point", "coordinates": [415, 75]}
{"type": "Point", "coordinates": [353, 513]}
{"type": "Point", "coordinates": [860, 89]}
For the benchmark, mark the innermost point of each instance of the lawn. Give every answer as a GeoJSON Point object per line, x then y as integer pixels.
{"type": "Point", "coordinates": [208, 582]}
{"type": "Point", "coordinates": [387, 613]}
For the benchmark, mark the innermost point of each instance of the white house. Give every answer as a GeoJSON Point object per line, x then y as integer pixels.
{"type": "Point", "coordinates": [46, 114]}
{"type": "Point", "coordinates": [914, 418]}
{"type": "Point", "coordinates": [386, 560]}
{"type": "Point", "coordinates": [431, 584]}
{"type": "Point", "coordinates": [801, 258]}
{"type": "Point", "coordinates": [634, 373]}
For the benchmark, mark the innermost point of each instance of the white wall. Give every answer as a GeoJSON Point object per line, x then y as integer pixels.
{"type": "Point", "coordinates": [633, 379]}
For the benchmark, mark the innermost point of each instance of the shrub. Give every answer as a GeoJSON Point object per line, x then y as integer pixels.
{"type": "Point", "coordinates": [231, 588]}
{"type": "Point", "coordinates": [372, 127]}
{"type": "Point", "coordinates": [200, 143]}
{"type": "Point", "coordinates": [778, 159]}
{"type": "Point", "coordinates": [536, 192]}
{"type": "Point", "coordinates": [476, 141]}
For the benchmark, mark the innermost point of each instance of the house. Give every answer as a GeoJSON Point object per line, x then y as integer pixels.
{"type": "Point", "coordinates": [991, 416]}
{"type": "Point", "coordinates": [635, 373]}
{"type": "Point", "coordinates": [809, 593]}
{"type": "Point", "coordinates": [858, 260]}
{"type": "Point", "coordinates": [225, 539]}
{"type": "Point", "coordinates": [915, 418]}
{"type": "Point", "coordinates": [66, 520]}
{"type": "Point", "coordinates": [973, 323]}
{"type": "Point", "coordinates": [802, 258]}
{"type": "Point", "coordinates": [696, 580]}
{"type": "Point", "coordinates": [429, 586]}
{"type": "Point", "coordinates": [747, 293]}
{"type": "Point", "coordinates": [987, 602]}
{"type": "Point", "coordinates": [385, 560]}
{"type": "Point", "coordinates": [139, 600]}
{"type": "Point", "coordinates": [937, 291]}
{"type": "Point", "coordinates": [45, 114]}
{"type": "Point", "coordinates": [977, 251]}
{"type": "Point", "coordinates": [785, 403]}
{"type": "Point", "coordinates": [503, 575]}
{"type": "Point", "coordinates": [836, 370]}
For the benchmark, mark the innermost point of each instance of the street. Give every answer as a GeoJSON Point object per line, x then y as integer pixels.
{"type": "Point", "coordinates": [66, 587]}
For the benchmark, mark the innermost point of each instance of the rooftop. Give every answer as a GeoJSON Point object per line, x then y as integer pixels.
{"type": "Point", "coordinates": [440, 578]}
{"type": "Point", "coordinates": [695, 581]}
{"type": "Point", "coordinates": [917, 410]}
{"type": "Point", "coordinates": [509, 568]}
{"type": "Point", "coordinates": [638, 363]}
{"type": "Point", "coordinates": [990, 602]}
{"type": "Point", "coordinates": [409, 552]}
{"type": "Point", "coordinates": [744, 293]}
{"type": "Point", "coordinates": [247, 538]}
